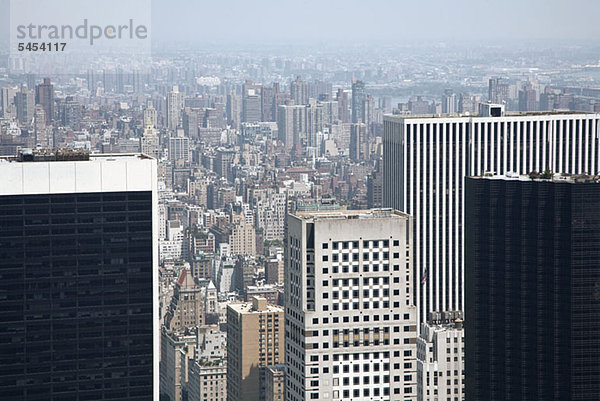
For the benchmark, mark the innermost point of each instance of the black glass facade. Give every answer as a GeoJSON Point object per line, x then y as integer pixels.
{"type": "Point", "coordinates": [76, 297]}
{"type": "Point", "coordinates": [532, 315]}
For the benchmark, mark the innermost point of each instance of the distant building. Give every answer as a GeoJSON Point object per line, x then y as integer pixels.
{"type": "Point", "coordinates": [44, 96]}
{"type": "Point", "coordinates": [175, 102]}
{"type": "Point", "coordinates": [358, 96]}
{"type": "Point", "coordinates": [498, 90]}
{"type": "Point", "coordinates": [187, 305]}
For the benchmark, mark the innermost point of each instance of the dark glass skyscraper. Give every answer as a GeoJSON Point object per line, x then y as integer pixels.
{"type": "Point", "coordinates": [77, 279]}
{"type": "Point", "coordinates": [532, 288]}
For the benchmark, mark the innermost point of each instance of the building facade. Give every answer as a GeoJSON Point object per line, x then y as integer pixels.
{"type": "Point", "coordinates": [79, 263]}
{"type": "Point", "coordinates": [532, 251]}
{"type": "Point", "coordinates": [254, 341]}
{"type": "Point", "coordinates": [350, 322]}
{"type": "Point", "coordinates": [426, 160]}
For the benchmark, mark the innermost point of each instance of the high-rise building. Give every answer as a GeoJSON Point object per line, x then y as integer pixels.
{"type": "Point", "coordinates": [532, 251]}
{"type": "Point", "coordinates": [254, 341]}
{"type": "Point", "coordinates": [350, 322]}
{"type": "Point", "coordinates": [234, 110]}
{"type": "Point", "coordinates": [440, 358]}
{"type": "Point", "coordinates": [449, 102]}
{"type": "Point", "coordinates": [71, 113]}
{"type": "Point", "coordinates": [39, 128]}
{"type": "Point", "coordinates": [527, 99]}
{"type": "Point", "coordinates": [7, 102]}
{"type": "Point", "coordinates": [498, 90]}
{"type": "Point", "coordinates": [251, 102]}
{"type": "Point", "coordinates": [375, 187]}
{"type": "Point", "coordinates": [299, 91]}
{"type": "Point", "coordinates": [175, 103]}
{"type": "Point", "coordinates": [358, 97]}
{"type": "Point", "coordinates": [190, 122]}
{"type": "Point", "coordinates": [179, 147]}
{"type": "Point", "coordinates": [79, 267]}
{"type": "Point", "coordinates": [150, 115]}
{"type": "Point", "coordinates": [44, 96]}
{"type": "Point", "coordinates": [426, 160]}
{"type": "Point", "coordinates": [187, 306]}
{"type": "Point", "coordinates": [149, 142]}
{"type": "Point", "coordinates": [24, 104]}
{"type": "Point", "coordinates": [343, 106]}
{"type": "Point", "coordinates": [358, 141]}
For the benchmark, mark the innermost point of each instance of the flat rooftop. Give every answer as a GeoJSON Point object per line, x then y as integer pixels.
{"type": "Point", "coordinates": [562, 177]}
{"type": "Point", "coordinates": [351, 214]}
{"type": "Point", "coordinates": [68, 155]}
{"type": "Point", "coordinates": [248, 308]}
{"type": "Point", "coordinates": [475, 115]}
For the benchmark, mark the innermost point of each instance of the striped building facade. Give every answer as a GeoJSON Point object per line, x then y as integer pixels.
{"type": "Point", "coordinates": [427, 158]}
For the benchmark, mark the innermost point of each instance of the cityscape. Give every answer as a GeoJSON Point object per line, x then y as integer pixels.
{"type": "Point", "coordinates": [325, 212]}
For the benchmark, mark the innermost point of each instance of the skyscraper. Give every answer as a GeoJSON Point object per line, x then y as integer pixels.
{"type": "Point", "coordinates": [254, 341]}
{"type": "Point", "coordinates": [358, 97]}
{"type": "Point", "coordinates": [350, 321]}
{"type": "Point", "coordinates": [174, 108]}
{"type": "Point", "coordinates": [426, 160]}
{"type": "Point", "coordinates": [532, 251]}
{"type": "Point", "coordinates": [498, 90]}
{"type": "Point", "coordinates": [299, 91]}
{"type": "Point", "coordinates": [24, 103]}
{"type": "Point", "coordinates": [78, 261]}
{"type": "Point", "coordinates": [449, 102]}
{"type": "Point", "coordinates": [44, 96]}
{"type": "Point", "coordinates": [527, 99]}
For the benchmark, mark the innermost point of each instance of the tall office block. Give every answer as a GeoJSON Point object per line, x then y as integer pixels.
{"type": "Point", "coordinates": [254, 341]}
{"type": "Point", "coordinates": [179, 147]}
{"type": "Point", "coordinates": [358, 97]}
{"type": "Point", "coordinates": [175, 103]}
{"type": "Point", "coordinates": [426, 160]}
{"type": "Point", "coordinates": [78, 277]}
{"type": "Point", "coordinates": [532, 257]}
{"type": "Point", "coordinates": [24, 104]}
{"type": "Point", "coordinates": [299, 91]}
{"type": "Point", "coordinates": [498, 90]}
{"type": "Point", "coordinates": [44, 96]}
{"type": "Point", "coordinates": [350, 321]}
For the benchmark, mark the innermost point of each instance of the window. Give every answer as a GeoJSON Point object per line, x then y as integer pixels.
{"type": "Point", "coordinates": [325, 258]}
{"type": "Point", "coordinates": [325, 245]}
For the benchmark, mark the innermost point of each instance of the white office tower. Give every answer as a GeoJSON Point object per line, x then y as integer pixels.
{"type": "Point", "coordinates": [175, 102]}
{"type": "Point", "coordinates": [427, 158]}
{"type": "Point", "coordinates": [440, 358]}
{"type": "Point", "coordinates": [350, 323]}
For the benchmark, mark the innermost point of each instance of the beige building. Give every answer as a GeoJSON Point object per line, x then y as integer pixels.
{"type": "Point", "coordinates": [187, 305]}
{"type": "Point", "coordinates": [207, 381]}
{"type": "Point", "coordinates": [176, 349]}
{"type": "Point", "coordinates": [254, 341]}
{"type": "Point", "coordinates": [274, 383]}
{"type": "Point", "coordinates": [243, 237]}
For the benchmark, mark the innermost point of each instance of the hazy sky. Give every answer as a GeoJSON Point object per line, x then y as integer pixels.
{"type": "Point", "coordinates": [374, 20]}
{"type": "Point", "coordinates": [368, 21]}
